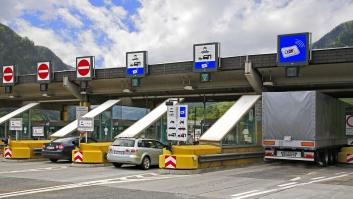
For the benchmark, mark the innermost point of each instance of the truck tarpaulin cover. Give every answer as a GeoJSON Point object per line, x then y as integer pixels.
{"type": "Point", "coordinates": [303, 115]}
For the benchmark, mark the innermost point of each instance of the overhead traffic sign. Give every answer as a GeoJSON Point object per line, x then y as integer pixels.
{"type": "Point", "coordinates": [85, 68]}
{"type": "Point", "coordinates": [8, 75]}
{"type": "Point", "coordinates": [206, 57]}
{"type": "Point", "coordinates": [136, 64]}
{"type": "Point", "coordinates": [294, 49]}
{"type": "Point", "coordinates": [43, 71]}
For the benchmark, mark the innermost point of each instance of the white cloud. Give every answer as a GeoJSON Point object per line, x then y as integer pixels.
{"type": "Point", "coordinates": [168, 29]}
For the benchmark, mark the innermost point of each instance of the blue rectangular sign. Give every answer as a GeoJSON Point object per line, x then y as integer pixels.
{"type": "Point", "coordinates": [293, 49]}
{"type": "Point", "coordinates": [135, 71]}
{"type": "Point", "coordinates": [205, 65]}
{"type": "Point", "coordinates": [182, 111]}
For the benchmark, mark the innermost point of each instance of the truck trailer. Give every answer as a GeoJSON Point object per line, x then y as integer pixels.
{"type": "Point", "coordinates": [303, 125]}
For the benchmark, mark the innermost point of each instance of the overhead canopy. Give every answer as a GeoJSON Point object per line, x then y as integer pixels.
{"type": "Point", "coordinates": [138, 127]}
{"type": "Point", "coordinates": [224, 124]}
{"type": "Point", "coordinates": [17, 112]}
{"type": "Point", "coordinates": [93, 113]}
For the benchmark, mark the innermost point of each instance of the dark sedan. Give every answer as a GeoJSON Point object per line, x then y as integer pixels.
{"type": "Point", "coordinates": [61, 148]}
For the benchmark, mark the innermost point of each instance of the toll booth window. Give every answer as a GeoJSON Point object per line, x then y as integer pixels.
{"type": "Point", "coordinates": [244, 133]}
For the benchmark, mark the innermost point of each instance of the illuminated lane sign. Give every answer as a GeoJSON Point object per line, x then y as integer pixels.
{"type": "Point", "coordinates": [136, 64]}
{"type": "Point", "coordinates": [294, 49]}
{"type": "Point", "coordinates": [206, 57]}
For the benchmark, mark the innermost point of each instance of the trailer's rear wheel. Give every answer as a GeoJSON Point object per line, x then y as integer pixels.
{"type": "Point", "coordinates": [332, 157]}
{"type": "Point", "coordinates": [322, 158]}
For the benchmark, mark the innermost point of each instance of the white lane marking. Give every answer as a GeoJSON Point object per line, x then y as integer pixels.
{"type": "Point", "coordinates": [287, 184]}
{"type": "Point", "coordinates": [34, 170]}
{"type": "Point", "coordinates": [321, 177]}
{"type": "Point", "coordinates": [244, 195]}
{"type": "Point", "coordinates": [295, 179]}
{"type": "Point", "coordinates": [339, 173]}
{"type": "Point", "coordinates": [85, 184]}
{"type": "Point", "coordinates": [255, 194]}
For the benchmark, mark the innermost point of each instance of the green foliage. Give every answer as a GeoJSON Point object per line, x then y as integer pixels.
{"type": "Point", "coordinates": [340, 36]}
{"type": "Point", "coordinates": [22, 52]}
{"type": "Point", "coordinates": [213, 111]}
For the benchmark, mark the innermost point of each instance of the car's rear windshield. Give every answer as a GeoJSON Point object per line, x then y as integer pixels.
{"type": "Point", "coordinates": [64, 140]}
{"type": "Point", "coordinates": [124, 142]}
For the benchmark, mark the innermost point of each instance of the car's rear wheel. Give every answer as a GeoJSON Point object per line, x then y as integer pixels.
{"type": "Point", "coordinates": [117, 165]}
{"type": "Point", "coordinates": [53, 160]}
{"type": "Point", "coordinates": [146, 163]}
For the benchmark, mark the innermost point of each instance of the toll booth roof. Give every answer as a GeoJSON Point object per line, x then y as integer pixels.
{"type": "Point", "coordinates": [17, 112]}
{"type": "Point", "coordinates": [137, 128]}
{"type": "Point", "coordinates": [224, 124]}
{"type": "Point", "coordinates": [93, 113]}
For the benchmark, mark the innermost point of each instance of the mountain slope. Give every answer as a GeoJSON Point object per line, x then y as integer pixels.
{"type": "Point", "coordinates": [22, 52]}
{"type": "Point", "coordinates": [340, 36]}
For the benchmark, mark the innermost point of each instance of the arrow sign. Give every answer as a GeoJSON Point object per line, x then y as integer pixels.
{"type": "Point", "coordinates": [78, 156]}
{"type": "Point", "coordinates": [8, 75]}
{"type": "Point", "coordinates": [84, 67]}
{"type": "Point", "coordinates": [170, 161]}
{"type": "Point", "coordinates": [43, 71]}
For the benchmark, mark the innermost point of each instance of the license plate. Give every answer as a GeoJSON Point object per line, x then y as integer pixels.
{"type": "Point", "coordinates": [292, 154]}
{"type": "Point", "coordinates": [118, 152]}
{"type": "Point", "coordinates": [50, 147]}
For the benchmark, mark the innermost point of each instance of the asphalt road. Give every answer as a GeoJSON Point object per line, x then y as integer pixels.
{"type": "Point", "coordinates": [23, 179]}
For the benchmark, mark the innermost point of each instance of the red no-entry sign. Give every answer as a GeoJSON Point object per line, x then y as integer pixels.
{"type": "Point", "coordinates": [84, 67]}
{"type": "Point", "coordinates": [8, 75]}
{"type": "Point", "coordinates": [43, 71]}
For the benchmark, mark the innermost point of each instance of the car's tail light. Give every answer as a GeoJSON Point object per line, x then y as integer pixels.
{"type": "Point", "coordinates": [131, 151]}
{"type": "Point", "coordinates": [60, 147]}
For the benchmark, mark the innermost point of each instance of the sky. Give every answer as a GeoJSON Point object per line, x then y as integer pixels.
{"type": "Point", "coordinates": [167, 29]}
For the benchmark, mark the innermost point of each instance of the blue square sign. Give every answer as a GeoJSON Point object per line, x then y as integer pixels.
{"type": "Point", "coordinates": [293, 49]}
{"type": "Point", "coordinates": [182, 111]}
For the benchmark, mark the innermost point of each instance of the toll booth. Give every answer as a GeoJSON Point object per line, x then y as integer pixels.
{"type": "Point", "coordinates": [235, 138]}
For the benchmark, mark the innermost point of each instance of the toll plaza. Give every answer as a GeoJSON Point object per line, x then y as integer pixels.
{"type": "Point", "coordinates": [222, 96]}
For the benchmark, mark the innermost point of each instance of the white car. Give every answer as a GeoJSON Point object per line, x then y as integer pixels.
{"type": "Point", "coordinates": [135, 151]}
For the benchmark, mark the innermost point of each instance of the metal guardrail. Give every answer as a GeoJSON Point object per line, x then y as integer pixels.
{"type": "Point", "coordinates": [229, 156]}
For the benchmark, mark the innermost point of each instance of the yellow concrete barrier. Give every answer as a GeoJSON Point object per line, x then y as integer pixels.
{"type": "Point", "coordinates": [24, 149]}
{"type": "Point", "coordinates": [346, 155]}
{"type": "Point", "coordinates": [91, 153]}
{"type": "Point", "coordinates": [196, 150]}
{"type": "Point", "coordinates": [185, 157]}
{"type": "Point", "coordinates": [178, 162]}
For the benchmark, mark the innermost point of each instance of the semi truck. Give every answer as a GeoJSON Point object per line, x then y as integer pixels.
{"type": "Point", "coordinates": [304, 126]}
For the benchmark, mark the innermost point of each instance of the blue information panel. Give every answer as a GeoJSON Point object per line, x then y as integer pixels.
{"type": "Point", "coordinates": [206, 57]}
{"type": "Point", "coordinates": [136, 63]}
{"type": "Point", "coordinates": [293, 49]}
{"type": "Point", "coordinates": [182, 111]}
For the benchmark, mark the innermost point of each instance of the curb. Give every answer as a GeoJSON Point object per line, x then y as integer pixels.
{"type": "Point", "coordinates": [23, 160]}
{"type": "Point", "coordinates": [85, 165]}
{"type": "Point", "coordinates": [206, 170]}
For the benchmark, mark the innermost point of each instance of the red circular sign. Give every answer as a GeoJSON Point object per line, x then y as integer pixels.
{"type": "Point", "coordinates": [83, 67]}
{"type": "Point", "coordinates": [8, 74]}
{"type": "Point", "coordinates": [43, 71]}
